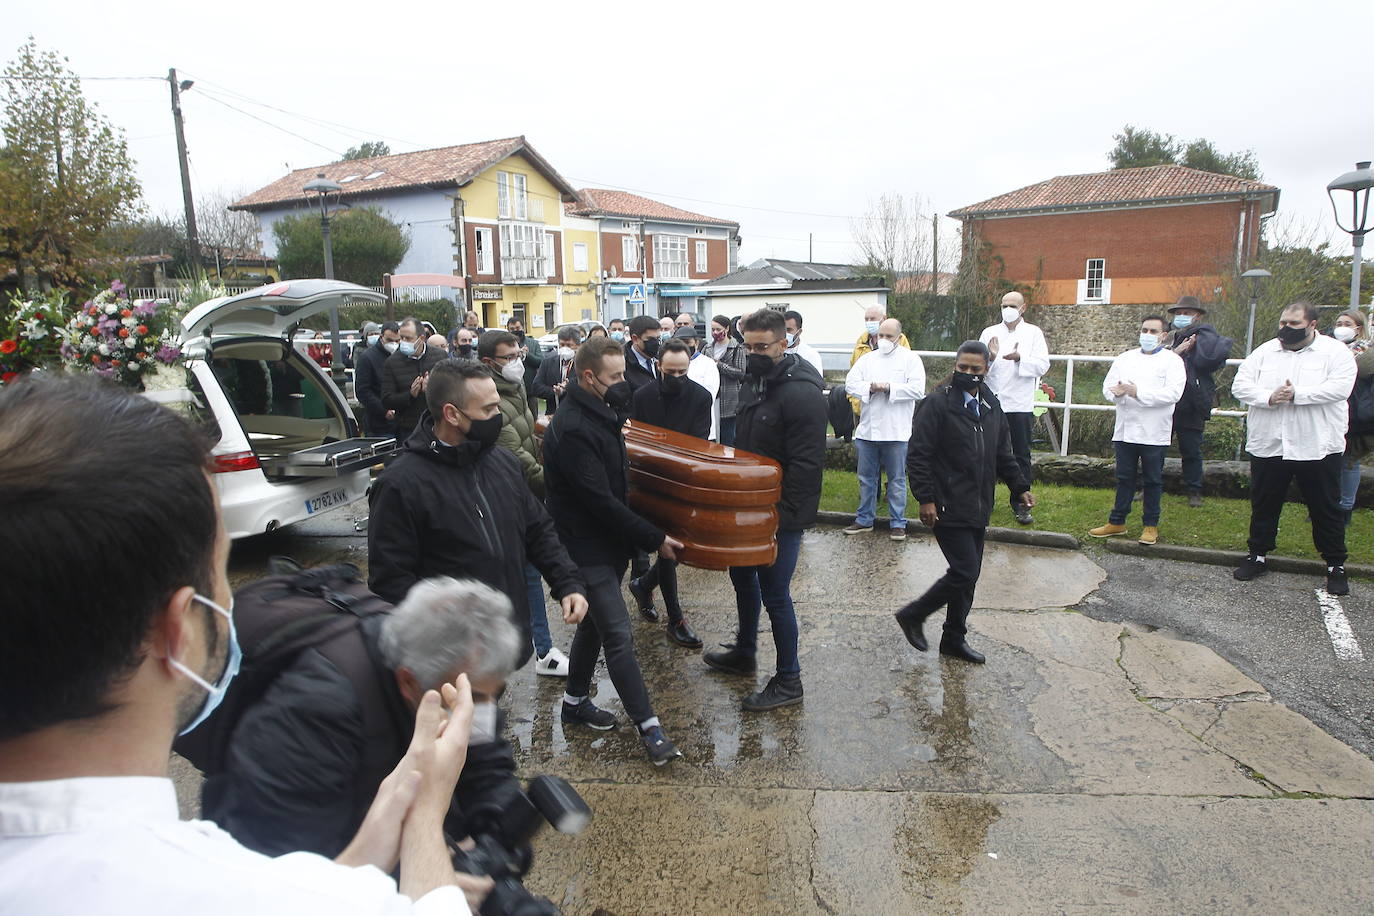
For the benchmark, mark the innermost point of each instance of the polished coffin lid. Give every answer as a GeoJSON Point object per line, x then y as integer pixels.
{"type": "Point", "coordinates": [721, 502]}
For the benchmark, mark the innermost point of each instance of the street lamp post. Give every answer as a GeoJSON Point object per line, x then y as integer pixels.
{"type": "Point", "coordinates": [324, 187]}
{"type": "Point", "coordinates": [1360, 180]}
{"type": "Point", "coordinates": [1253, 277]}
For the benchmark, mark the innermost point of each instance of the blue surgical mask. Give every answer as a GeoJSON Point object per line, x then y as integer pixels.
{"type": "Point", "coordinates": [1182, 321]}
{"type": "Point", "coordinates": [372, 339]}
{"type": "Point", "coordinates": [871, 327]}
{"type": "Point", "coordinates": [1149, 342]}
{"type": "Point", "coordinates": [214, 693]}
{"type": "Point", "coordinates": [407, 348]}
{"type": "Point", "coordinates": [618, 335]}
{"type": "Point", "coordinates": [791, 341]}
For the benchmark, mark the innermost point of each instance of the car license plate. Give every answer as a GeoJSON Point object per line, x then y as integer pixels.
{"type": "Point", "coordinates": [326, 501]}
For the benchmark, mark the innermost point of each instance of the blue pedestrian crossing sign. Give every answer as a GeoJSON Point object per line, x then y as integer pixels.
{"type": "Point", "coordinates": [637, 294]}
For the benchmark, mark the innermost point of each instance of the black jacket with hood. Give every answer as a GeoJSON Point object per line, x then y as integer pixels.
{"type": "Point", "coordinates": [464, 512]}
{"type": "Point", "coordinates": [783, 416]}
{"type": "Point", "coordinates": [1207, 354]}
{"type": "Point", "coordinates": [587, 479]}
{"type": "Point", "coordinates": [954, 460]}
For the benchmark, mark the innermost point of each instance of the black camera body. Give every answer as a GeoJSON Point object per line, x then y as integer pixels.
{"type": "Point", "coordinates": [503, 853]}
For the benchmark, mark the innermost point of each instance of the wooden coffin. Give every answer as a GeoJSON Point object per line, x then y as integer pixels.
{"type": "Point", "coordinates": [721, 503]}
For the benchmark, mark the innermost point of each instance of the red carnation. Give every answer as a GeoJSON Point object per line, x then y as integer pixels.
{"type": "Point", "coordinates": [125, 313]}
{"type": "Point", "coordinates": [95, 357]}
{"type": "Point", "coordinates": [8, 346]}
{"type": "Point", "coordinates": [123, 332]}
{"type": "Point", "coordinates": [142, 330]}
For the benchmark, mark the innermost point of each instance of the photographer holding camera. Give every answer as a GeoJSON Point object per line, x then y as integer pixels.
{"type": "Point", "coordinates": [120, 635]}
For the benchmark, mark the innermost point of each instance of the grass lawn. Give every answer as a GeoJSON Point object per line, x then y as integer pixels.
{"type": "Point", "coordinates": [1221, 523]}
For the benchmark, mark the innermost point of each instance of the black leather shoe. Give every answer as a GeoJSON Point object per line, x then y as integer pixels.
{"type": "Point", "coordinates": [645, 601]}
{"type": "Point", "coordinates": [681, 632]}
{"type": "Point", "coordinates": [1336, 581]}
{"type": "Point", "coordinates": [779, 691]}
{"type": "Point", "coordinates": [1249, 568]}
{"type": "Point", "coordinates": [959, 648]}
{"type": "Point", "coordinates": [731, 661]}
{"type": "Point", "coordinates": [913, 628]}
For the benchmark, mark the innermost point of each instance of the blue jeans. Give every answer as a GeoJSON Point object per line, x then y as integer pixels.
{"type": "Point", "coordinates": [539, 619]}
{"type": "Point", "coordinates": [1350, 483]}
{"type": "Point", "coordinates": [888, 458]}
{"type": "Point", "coordinates": [1190, 450]}
{"type": "Point", "coordinates": [727, 430]}
{"type": "Point", "coordinates": [1151, 461]}
{"type": "Point", "coordinates": [771, 587]}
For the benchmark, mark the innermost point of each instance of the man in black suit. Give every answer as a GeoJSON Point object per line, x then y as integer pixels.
{"type": "Point", "coordinates": [672, 401]}
{"type": "Point", "coordinates": [641, 351]}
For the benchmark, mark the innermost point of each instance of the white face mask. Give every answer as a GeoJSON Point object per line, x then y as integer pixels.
{"type": "Point", "coordinates": [513, 371]}
{"type": "Point", "coordinates": [390, 346]}
{"type": "Point", "coordinates": [885, 346]}
{"type": "Point", "coordinates": [483, 723]}
{"type": "Point", "coordinates": [1010, 314]}
{"type": "Point", "coordinates": [566, 353]}
{"type": "Point", "coordinates": [1343, 333]}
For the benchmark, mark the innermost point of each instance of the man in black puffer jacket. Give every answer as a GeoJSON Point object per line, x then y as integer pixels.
{"type": "Point", "coordinates": [452, 504]}
{"type": "Point", "coordinates": [782, 415]}
{"type": "Point", "coordinates": [960, 445]}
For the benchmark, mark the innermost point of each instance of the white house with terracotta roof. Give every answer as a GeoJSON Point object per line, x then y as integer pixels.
{"type": "Point", "coordinates": [670, 251]}
{"type": "Point", "coordinates": [1127, 236]}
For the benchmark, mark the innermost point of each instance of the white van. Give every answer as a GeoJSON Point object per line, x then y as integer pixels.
{"type": "Point", "coordinates": [288, 445]}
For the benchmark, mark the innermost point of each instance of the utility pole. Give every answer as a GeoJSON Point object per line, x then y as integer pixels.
{"type": "Point", "coordinates": [935, 253]}
{"type": "Point", "coordinates": [643, 269]}
{"type": "Point", "coordinates": [810, 249]}
{"type": "Point", "coordinates": [192, 234]}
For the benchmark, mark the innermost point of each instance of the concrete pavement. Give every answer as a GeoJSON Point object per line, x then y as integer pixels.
{"type": "Point", "coordinates": [1090, 763]}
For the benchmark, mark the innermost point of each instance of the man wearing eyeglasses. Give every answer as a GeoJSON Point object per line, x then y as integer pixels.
{"type": "Point", "coordinates": [782, 415]}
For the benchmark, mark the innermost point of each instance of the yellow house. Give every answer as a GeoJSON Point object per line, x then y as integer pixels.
{"type": "Point", "coordinates": [490, 212]}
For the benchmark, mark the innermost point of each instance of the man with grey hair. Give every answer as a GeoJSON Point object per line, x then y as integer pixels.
{"type": "Point", "coordinates": [323, 736]}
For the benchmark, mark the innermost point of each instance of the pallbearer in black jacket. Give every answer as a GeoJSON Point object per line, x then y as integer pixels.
{"type": "Point", "coordinates": [586, 476]}
{"type": "Point", "coordinates": [960, 444]}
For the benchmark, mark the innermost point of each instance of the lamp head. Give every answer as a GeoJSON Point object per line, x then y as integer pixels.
{"type": "Point", "coordinates": [1361, 179]}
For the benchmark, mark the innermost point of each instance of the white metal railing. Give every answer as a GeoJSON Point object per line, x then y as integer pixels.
{"type": "Point", "coordinates": [1066, 404]}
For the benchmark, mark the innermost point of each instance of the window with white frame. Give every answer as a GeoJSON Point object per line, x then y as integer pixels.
{"type": "Point", "coordinates": [550, 254]}
{"type": "Point", "coordinates": [523, 252]}
{"type": "Point", "coordinates": [512, 202]}
{"type": "Point", "coordinates": [670, 257]}
{"type": "Point", "coordinates": [629, 253]}
{"type": "Point", "coordinates": [579, 255]}
{"type": "Point", "coordinates": [1097, 270]}
{"type": "Point", "coordinates": [483, 245]}
{"type": "Point", "coordinates": [701, 257]}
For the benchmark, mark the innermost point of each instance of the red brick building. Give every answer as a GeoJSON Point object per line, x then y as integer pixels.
{"type": "Point", "coordinates": [1138, 236]}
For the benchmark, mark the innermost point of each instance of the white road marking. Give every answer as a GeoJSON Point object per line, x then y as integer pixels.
{"type": "Point", "coordinates": [1338, 628]}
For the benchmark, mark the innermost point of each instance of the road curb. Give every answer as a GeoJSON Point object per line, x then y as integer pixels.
{"type": "Point", "coordinates": [1213, 557]}
{"type": "Point", "coordinates": [1028, 537]}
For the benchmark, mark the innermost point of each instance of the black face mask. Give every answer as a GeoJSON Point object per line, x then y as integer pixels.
{"type": "Point", "coordinates": [758, 364]}
{"type": "Point", "coordinates": [1292, 338]}
{"type": "Point", "coordinates": [465, 350]}
{"type": "Point", "coordinates": [672, 385]}
{"type": "Point", "coordinates": [519, 335]}
{"type": "Point", "coordinates": [484, 432]}
{"type": "Point", "coordinates": [650, 345]}
{"type": "Point", "coordinates": [618, 396]}
{"type": "Point", "coordinates": [966, 381]}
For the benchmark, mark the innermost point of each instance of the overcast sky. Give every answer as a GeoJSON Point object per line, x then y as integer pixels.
{"type": "Point", "coordinates": [788, 118]}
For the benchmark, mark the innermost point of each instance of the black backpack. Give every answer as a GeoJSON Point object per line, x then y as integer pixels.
{"type": "Point", "coordinates": [277, 618]}
{"type": "Point", "coordinates": [1362, 406]}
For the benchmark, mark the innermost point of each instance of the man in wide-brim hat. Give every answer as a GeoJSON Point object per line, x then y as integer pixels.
{"type": "Point", "coordinates": [1204, 351]}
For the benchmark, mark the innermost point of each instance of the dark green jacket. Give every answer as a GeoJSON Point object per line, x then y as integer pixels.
{"type": "Point", "coordinates": [517, 432]}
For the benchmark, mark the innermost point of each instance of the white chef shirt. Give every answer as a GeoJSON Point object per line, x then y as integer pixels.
{"type": "Point", "coordinates": [885, 416]}
{"type": "Point", "coordinates": [810, 354]}
{"type": "Point", "coordinates": [1159, 377]}
{"type": "Point", "coordinates": [1313, 425]}
{"type": "Point", "coordinates": [1014, 381]}
{"type": "Point", "coordinates": [704, 371]}
{"type": "Point", "coordinates": [115, 845]}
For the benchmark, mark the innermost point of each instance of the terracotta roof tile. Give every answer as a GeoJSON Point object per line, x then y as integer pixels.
{"type": "Point", "coordinates": [448, 166]}
{"type": "Point", "coordinates": [598, 202]}
{"type": "Point", "coordinates": [1117, 186]}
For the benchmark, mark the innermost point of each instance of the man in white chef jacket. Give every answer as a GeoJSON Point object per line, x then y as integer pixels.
{"type": "Point", "coordinates": [1145, 383]}
{"type": "Point", "coordinates": [1019, 357]}
{"type": "Point", "coordinates": [887, 383]}
{"type": "Point", "coordinates": [1296, 387]}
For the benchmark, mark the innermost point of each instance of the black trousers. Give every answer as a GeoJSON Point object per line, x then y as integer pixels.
{"type": "Point", "coordinates": [663, 576]}
{"type": "Point", "coordinates": [1319, 482]}
{"type": "Point", "coordinates": [963, 550]}
{"type": "Point", "coordinates": [1019, 424]}
{"type": "Point", "coordinates": [607, 626]}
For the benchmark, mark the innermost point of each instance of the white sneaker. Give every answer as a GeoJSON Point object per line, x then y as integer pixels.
{"type": "Point", "coordinates": [555, 664]}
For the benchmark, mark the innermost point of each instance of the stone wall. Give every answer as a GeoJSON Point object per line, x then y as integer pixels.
{"type": "Point", "coordinates": [1091, 330]}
